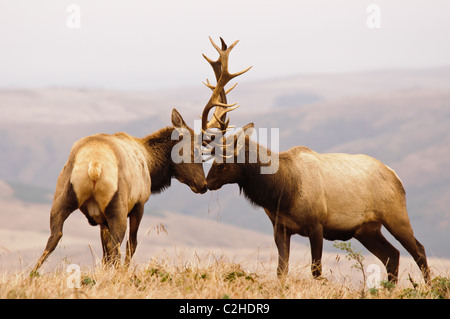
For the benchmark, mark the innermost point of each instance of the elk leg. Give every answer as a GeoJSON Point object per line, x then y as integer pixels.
{"type": "Point", "coordinates": [135, 219]}
{"type": "Point", "coordinates": [404, 234]}
{"type": "Point", "coordinates": [417, 251]}
{"type": "Point", "coordinates": [113, 239]}
{"type": "Point", "coordinates": [56, 221]}
{"type": "Point", "coordinates": [105, 238]}
{"type": "Point", "coordinates": [62, 207]}
{"type": "Point", "coordinates": [316, 242]}
{"type": "Point", "coordinates": [283, 241]}
{"type": "Point", "coordinates": [371, 237]}
{"type": "Point", "coordinates": [112, 236]}
{"type": "Point", "coordinates": [422, 261]}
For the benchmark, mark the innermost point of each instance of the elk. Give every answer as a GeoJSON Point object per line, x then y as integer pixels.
{"type": "Point", "coordinates": [110, 178]}
{"type": "Point", "coordinates": [331, 196]}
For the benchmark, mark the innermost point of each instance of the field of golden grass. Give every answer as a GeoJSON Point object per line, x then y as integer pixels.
{"type": "Point", "coordinates": [164, 278]}
{"type": "Point", "coordinates": [195, 259]}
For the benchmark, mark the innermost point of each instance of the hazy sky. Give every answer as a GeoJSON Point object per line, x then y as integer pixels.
{"type": "Point", "coordinates": [142, 44]}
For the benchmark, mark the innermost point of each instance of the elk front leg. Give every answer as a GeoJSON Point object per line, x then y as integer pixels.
{"type": "Point", "coordinates": [316, 242]}
{"type": "Point", "coordinates": [283, 242]}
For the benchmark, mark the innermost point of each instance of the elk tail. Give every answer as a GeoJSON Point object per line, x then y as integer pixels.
{"type": "Point", "coordinates": [94, 172]}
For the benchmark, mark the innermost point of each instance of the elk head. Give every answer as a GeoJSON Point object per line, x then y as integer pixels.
{"type": "Point", "coordinates": [231, 165]}
{"type": "Point", "coordinates": [187, 156]}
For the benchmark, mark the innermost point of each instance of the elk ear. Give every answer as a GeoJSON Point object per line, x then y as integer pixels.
{"type": "Point", "coordinates": [239, 140]}
{"type": "Point", "coordinates": [248, 129]}
{"type": "Point", "coordinates": [177, 121]}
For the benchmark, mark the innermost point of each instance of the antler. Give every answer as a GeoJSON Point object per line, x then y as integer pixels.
{"type": "Point", "coordinates": [218, 98]}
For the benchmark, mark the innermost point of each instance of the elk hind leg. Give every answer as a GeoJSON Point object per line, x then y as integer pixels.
{"type": "Point", "coordinates": [371, 237]}
{"type": "Point", "coordinates": [402, 231]}
{"type": "Point", "coordinates": [135, 217]}
{"type": "Point", "coordinates": [113, 232]}
{"type": "Point", "coordinates": [62, 207]}
{"type": "Point", "coordinates": [112, 236]}
{"type": "Point", "coordinates": [105, 238]}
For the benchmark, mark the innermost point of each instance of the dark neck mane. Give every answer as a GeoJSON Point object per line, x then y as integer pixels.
{"type": "Point", "coordinates": [274, 192]}
{"type": "Point", "coordinates": [159, 146]}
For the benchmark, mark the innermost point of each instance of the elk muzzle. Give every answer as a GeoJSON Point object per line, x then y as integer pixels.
{"type": "Point", "coordinates": [199, 188]}
{"type": "Point", "coordinates": [213, 184]}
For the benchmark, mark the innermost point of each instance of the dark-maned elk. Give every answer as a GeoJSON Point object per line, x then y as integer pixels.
{"type": "Point", "coordinates": [331, 196]}
{"type": "Point", "coordinates": [111, 177]}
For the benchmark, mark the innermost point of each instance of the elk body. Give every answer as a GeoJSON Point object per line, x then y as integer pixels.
{"type": "Point", "coordinates": [110, 178]}
{"type": "Point", "coordinates": [331, 196]}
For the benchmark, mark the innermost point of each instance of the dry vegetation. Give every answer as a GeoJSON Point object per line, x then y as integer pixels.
{"type": "Point", "coordinates": [162, 278]}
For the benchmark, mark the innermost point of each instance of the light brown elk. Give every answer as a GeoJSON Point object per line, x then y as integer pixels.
{"type": "Point", "coordinates": [110, 178]}
{"type": "Point", "coordinates": [331, 196]}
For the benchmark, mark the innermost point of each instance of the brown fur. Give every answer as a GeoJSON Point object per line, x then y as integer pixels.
{"type": "Point", "coordinates": [331, 196]}
{"type": "Point", "coordinates": [110, 178]}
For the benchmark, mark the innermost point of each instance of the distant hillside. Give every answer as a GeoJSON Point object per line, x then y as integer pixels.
{"type": "Point", "coordinates": [401, 117]}
{"type": "Point", "coordinates": [24, 230]}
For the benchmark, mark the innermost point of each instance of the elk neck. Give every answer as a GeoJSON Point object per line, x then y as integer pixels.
{"type": "Point", "coordinates": [272, 191]}
{"type": "Point", "coordinates": [159, 146]}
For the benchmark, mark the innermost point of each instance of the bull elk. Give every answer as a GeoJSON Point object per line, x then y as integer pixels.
{"type": "Point", "coordinates": [110, 178]}
{"type": "Point", "coordinates": [331, 196]}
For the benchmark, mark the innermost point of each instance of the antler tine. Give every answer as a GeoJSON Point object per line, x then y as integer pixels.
{"type": "Point", "coordinates": [231, 88]}
{"type": "Point", "coordinates": [224, 112]}
{"type": "Point", "coordinates": [224, 52]}
{"type": "Point", "coordinates": [224, 45]}
{"type": "Point", "coordinates": [233, 75]}
{"type": "Point", "coordinates": [212, 87]}
{"type": "Point", "coordinates": [215, 65]}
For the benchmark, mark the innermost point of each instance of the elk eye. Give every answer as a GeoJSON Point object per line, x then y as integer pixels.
{"type": "Point", "coordinates": [220, 167]}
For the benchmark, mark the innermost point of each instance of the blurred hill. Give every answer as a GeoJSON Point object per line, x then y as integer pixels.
{"type": "Point", "coordinates": [401, 117]}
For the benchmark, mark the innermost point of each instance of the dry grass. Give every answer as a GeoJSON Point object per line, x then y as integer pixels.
{"type": "Point", "coordinates": [217, 279]}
